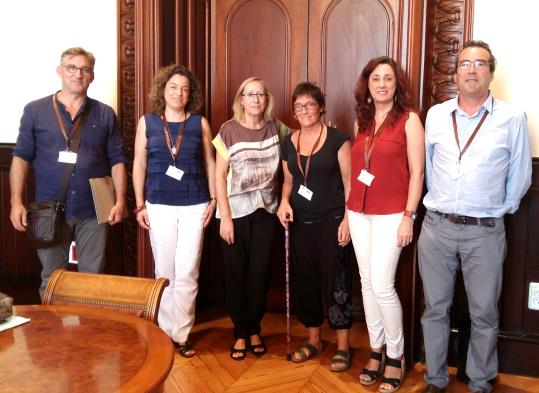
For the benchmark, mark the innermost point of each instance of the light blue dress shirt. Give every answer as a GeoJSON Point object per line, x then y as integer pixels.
{"type": "Point", "coordinates": [495, 171]}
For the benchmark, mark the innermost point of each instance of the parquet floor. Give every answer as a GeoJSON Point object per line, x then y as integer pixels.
{"type": "Point", "coordinates": [213, 371]}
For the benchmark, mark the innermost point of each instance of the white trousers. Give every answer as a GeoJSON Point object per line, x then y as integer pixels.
{"type": "Point", "coordinates": [375, 244]}
{"type": "Point", "coordinates": [176, 235]}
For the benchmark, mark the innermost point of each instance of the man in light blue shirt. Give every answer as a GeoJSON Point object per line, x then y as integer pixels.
{"type": "Point", "coordinates": [478, 168]}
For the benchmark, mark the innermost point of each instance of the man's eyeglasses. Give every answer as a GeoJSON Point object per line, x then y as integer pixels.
{"type": "Point", "coordinates": [467, 64]}
{"type": "Point", "coordinates": [252, 96]}
{"type": "Point", "coordinates": [309, 106]}
{"type": "Point", "coordinates": [72, 68]}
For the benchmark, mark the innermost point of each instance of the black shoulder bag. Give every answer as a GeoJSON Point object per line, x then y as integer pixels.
{"type": "Point", "coordinates": [44, 217]}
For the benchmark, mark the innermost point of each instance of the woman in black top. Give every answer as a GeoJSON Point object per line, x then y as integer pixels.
{"type": "Point", "coordinates": [316, 165]}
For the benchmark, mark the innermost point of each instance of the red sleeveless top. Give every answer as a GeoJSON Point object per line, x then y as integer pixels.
{"type": "Point", "coordinates": [388, 192]}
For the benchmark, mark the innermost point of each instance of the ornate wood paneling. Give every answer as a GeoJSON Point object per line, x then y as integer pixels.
{"type": "Point", "coordinates": [449, 25]}
{"type": "Point", "coordinates": [128, 121]}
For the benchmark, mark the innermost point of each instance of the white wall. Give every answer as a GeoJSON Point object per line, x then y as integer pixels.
{"type": "Point", "coordinates": [34, 33]}
{"type": "Point", "coordinates": [511, 30]}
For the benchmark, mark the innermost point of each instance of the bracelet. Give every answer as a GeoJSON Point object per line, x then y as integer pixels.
{"type": "Point", "coordinates": [213, 199]}
{"type": "Point", "coordinates": [138, 209]}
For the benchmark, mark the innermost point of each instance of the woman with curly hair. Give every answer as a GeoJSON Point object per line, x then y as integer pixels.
{"type": "Point", "coordinates": [388, 156]}
{"type": "Point", "coordinates": [174, 162]}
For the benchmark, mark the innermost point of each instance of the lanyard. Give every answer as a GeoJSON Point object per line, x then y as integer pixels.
{"type": "Point", "coordinates": [461, 152]}
{"type": "Point", "coordinates": [307, 165]}
{"type": "Point", "coordinates": [75, 128]}
{"type": "Point", "coordinates": [174, 150]}
{"type": "Point", "coordinates": [370, 140]}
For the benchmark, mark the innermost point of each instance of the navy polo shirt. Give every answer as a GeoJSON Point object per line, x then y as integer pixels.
{"type": "Point", "coordinates": [40, 140]}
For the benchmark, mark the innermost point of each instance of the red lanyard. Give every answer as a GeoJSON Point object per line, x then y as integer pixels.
{"type": "Point", "coordinates": [370, 140]}
{"type": "Point", "coordinates": [461, 152]}
{"type": "Point", "coordinates": [174, 150]}
{"type": "Point", "coordinates": [75, 128]}
{"type": "Point", "coordinates": [307, 165]}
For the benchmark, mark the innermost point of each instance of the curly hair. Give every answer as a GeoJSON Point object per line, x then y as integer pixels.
{"type": "Point", "coordinates": [237, 107]}
{"type": "Point", "coordinates": [157, 98]}
{"type": "Point", "coordinates": [365, 110]}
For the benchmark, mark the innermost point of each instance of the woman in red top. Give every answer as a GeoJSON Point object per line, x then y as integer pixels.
{"type": "Point", "coordinates": [387, 179]}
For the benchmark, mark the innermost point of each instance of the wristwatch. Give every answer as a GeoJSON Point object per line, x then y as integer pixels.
{"type": "Point", "coordinates": [410, 213]}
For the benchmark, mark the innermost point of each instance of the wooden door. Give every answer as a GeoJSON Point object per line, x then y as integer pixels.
{"type": "Point", "coordinates": [263, 38]}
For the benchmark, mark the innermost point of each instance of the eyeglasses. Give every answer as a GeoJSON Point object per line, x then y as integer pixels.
{"type": "Point", "coordinates": [467, 64]}
{"type": "Point", "coordinates": [308, 106]}
{"type": "Point", "coordinates": [252, 96]}
{"type": "Point", "coordinates": [72, 69]}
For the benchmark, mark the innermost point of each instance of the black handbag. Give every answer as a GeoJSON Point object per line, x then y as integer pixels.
{"type": "Point", "coordinates": [45, 217]}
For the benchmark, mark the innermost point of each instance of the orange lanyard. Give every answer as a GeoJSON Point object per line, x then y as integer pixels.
{"type": "Point", "coordinates": [370, 141]}
{"type": "Point", "coordinates": [298, 158]}
{"type": "Point", "coordinates": [461, 152]}
{"type": "Point", "coordinates": [75, 128]}
{"type": "Point", "coordinates": [174, 150]}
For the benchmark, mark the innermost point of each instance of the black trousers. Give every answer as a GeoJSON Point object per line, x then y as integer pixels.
{"type": "Point", "coordinates": [248, 271]}
{"type": "Point", "coordinates": [321, 272]}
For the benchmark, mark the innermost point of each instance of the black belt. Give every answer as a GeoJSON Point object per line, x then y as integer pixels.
{"type": "Point", "coordinates": [466, 220]}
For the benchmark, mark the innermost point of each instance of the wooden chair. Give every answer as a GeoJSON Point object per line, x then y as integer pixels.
{"type": "Point", "coordinates": [132, 295]}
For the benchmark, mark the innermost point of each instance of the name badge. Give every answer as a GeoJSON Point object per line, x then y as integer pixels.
{"type": "Point", "coordinates": [456, 172]}
{"type": "Point", "coordinates": [305, 192]}
{"type": "Point", "coordinates": [174, 172]}
{"type": "Point", "coordinates": [365, 177]}
{"type": "Point", "coordinates": [67, 157]}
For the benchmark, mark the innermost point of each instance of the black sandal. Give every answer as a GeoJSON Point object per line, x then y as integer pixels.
{"type": "Point", "coordinates": [373, 374]}
{"type": "Point", "coordinates": [259, 349]}
{"type": "Point", "coordinates": [235, 351]}
{"type": "Point", "coordinates": [186, 348]}
{"type": "Point", "coordinates": [394, 382]}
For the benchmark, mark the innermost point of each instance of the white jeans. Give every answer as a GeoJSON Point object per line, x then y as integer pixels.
{"type": "Point", "coordinates": [375, 244]}
{"type": "Point", "coordinates": [176, 235]}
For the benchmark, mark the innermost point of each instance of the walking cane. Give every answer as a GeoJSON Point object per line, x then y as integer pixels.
{"type": "Point", "coordinates": [287, 280]}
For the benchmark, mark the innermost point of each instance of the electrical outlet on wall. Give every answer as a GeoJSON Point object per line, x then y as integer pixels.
{"type": "Point", "coordinates": [533, 298]}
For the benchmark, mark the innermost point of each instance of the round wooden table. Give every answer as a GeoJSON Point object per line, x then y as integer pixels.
{"type": "Point", "coordinates": [82, 349]}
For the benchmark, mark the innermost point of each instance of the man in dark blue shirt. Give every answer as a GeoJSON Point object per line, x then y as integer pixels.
{"type": "Point", "coordinates": [44, 143]}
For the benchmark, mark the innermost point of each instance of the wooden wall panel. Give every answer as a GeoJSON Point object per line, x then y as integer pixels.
{"type": "Point", "coordinates": [257, 44]}
{"type": "Point", "coordinates": [344, 36]}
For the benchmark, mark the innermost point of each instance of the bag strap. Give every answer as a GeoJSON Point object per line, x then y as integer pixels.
{"type": "Point", "coordinates": [74, 146]}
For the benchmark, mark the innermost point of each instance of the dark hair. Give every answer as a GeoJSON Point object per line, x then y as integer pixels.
{"type": "Point", "coordinates": [478, 44]}
{"type": "Point", "coordinates": [309, 89]}
{"type": "Point", "coordinates": [364, 109]}
{"type": "Point", "coordinates": [157, 98]}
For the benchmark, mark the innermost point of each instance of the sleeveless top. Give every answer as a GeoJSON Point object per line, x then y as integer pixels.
{"type": "Point", "coordinates": [192, 189]}
{"type": "Point", "coordinates": [324, 179]}
{"type": "Point", "coordinates": [388, 192]}
{"type": "Point", "coordinates": [253, 165]}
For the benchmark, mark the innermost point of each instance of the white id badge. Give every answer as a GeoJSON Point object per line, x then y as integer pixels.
{"type": "Point", "coordinates": [67, 157]}
{"type": "Point", "coordinates": [456, 172]}
{"type": "Point", "coordinates": [365, 177]}
{"type": "Point", "coordinates": [174, 172]}
{"type": "Point", "coordinates": [305, 192]}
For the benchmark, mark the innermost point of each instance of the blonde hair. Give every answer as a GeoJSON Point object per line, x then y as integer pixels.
{"type": "Point", "coordinates": [237, 107]}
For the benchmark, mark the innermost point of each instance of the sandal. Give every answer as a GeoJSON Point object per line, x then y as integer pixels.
{"type": "Point", "coordinates": [235, 351]}
{"type": "Point", "coordinates": [306, 352]}
{"type": "Point", "coordinates": [341, 361]}
{"type": "Point", "coordinates": [186, 349]}
{"type": "Point", "coordinates": [373, 374]}
{"type": "Point", "coordinates": [259, 349]}
{"type": "Point", "coordinates": [394, 382]}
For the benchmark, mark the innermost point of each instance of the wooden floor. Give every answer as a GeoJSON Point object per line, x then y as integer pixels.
{"type": "Point", "coordinates": [213, 371]}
